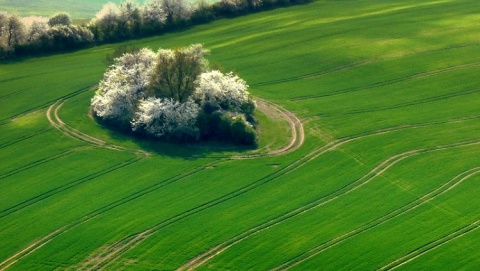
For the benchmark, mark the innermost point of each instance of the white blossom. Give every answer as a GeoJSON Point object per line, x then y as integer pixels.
{"type": "Point", "coordinates": [153, 12]}
{"type": "Point", "coordinates": [226, 90]}
{"type": "Point", "coordinates": [163, 117]}
{"type": "Point", "coordinates": [36, 30]}
{"type": "Point", "coordinates": [177, 9]}
{"type": "Point", "coordinates": [123, 85]}
{"type": "Point", "coordinates": [109, 12]}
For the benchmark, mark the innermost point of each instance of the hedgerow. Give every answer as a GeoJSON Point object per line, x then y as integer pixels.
{"type": "Point", "coordinates": [19, 36]}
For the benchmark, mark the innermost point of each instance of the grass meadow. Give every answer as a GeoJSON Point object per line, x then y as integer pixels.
{"type": "Point", "coordinates": [387, 178]}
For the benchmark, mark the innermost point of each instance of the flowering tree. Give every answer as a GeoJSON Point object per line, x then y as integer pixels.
{"type": "Point", "coordinates": [177, 10]}
{"type": "Point", "coordinates": [154, 16]}
{"type": "Point", "coordinates": [227, 107]}
{"type": "Point", "coordinates": [122, 86]}
{"type": "Point", "coordinates": [36, 31]}
{"type": "Point", "coordinates": [107, 20]}
{"type": "Point", "coordinates": [226, 91]}
{"type": "Point", "coordinates": [130, 19]}
{"type": "Point", "coordinates": [167, 118]}
{"type": "Point", "coordinates": [15, 31]}
{"type": "Point", "coordinates": [3, 22]}
{"type": "Point", "coordinates": [232, 6]}
{"type": "Point", "coordinates": [69, 36]}
{"type": "Point", "coordinates": [60, 19]}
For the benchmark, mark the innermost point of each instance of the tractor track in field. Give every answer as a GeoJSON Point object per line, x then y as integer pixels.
{"type": "Point", "coordinates": [55, 121]}
{"type": "Point", "coordinates": [418, 102]}
{"type": "Point", "coordinates": [115, 250]}
{"type": "Point", "coordinates": [296, 127]}
{"type": "Point", "coordinates": [296, 141]}
{"type": "Point", "coordinates": [388, 82]}
{"type": "Point", "coordinates": [442, 189]}
{"type": "Point", "coordinates": [359, 64]}
{"type": "Point", "coordinates": [137, 238]}
{"type": "Point", "coordinates": [49, 237]}
{"type": "Point", "coordinates": [37, 244]}
{"type": "Point", "coordinates": [45, 105]}
{"type": "Point", "coordinates": [38, 162]}
{"type": "Point", "coordinates": [65, 187]}
{"type": "Point", "coordinates": [25, 137]}
{"type": "Point", "coordinates": [377, 171]}
{"type": "Point", "coordinates": [431, 246]}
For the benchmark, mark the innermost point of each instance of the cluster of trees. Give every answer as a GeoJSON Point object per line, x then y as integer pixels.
{"type": "Point", "coordinates": [118, 22]}
{"type": "Point", "coordinates": [130, 19]}
{"type": "Point", "coordinates": [41, 35]}
{"type": "Point", "coordinates": [172, 94]}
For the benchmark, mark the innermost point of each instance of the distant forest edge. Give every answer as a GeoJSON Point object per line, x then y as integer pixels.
{"type": "Point", "coordinates": [24, 36]}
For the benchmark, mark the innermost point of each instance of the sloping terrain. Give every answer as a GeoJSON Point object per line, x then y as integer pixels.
{"type": "Point", "coordinates": [369, 152]}
{"type": "Point", "coordinates": [77, 9]}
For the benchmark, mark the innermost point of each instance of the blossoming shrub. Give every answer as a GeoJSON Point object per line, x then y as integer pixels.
{"type": "Point", "coordinates": [167, 118]}
{"type": "Point", "coordinates": [227, 107]}
{"type": "Point", "coordinates": [122, 86]}
{"type": "Point", "coordinates": [171, 94]}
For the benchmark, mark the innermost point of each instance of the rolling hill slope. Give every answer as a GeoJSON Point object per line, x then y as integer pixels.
{"type": "Point", "coordinates": [79, 10]}
{"type": "Point", "coordinates": [386, 178]}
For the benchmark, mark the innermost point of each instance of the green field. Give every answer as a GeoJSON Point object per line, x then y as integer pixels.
{"type": "Point", "coordinates": [77, 9]}
{"type": "Point", "coordinates": [85, 9]}
{"type": "Point", "coordinates": [388, 93]}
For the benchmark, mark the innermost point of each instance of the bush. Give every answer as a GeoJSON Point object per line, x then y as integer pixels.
{"type": "Point", "coordinates": [242, 132]}
{"type": "Point", "coordinates": [122, 86]}
{"type": "Point", "coordinates": [166, 118]}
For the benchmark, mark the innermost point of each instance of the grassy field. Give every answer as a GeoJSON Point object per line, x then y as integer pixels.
{"type": "Point", "coordinates": [77, 9]}
{"type": "Point", "coordinates": [387, 177]}
{"type": "Point", "coordinates": [85, 9]}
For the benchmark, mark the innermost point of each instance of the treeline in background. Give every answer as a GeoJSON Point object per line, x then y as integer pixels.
{"type": "Point", "coordinates": [114, 23]}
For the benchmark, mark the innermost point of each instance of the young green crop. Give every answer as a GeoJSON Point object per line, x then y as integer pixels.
{"type": "Point", "coordinates": [388, 96]}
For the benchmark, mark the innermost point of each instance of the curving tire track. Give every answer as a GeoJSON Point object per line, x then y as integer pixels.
{"type": "Point", "coordinates": [44, 105]}
{"type": "Point", "coordinates": [115, 250]}
{"type": "Point", "coordinates": [55, 121]}
{"type": "Point", "coordinates": [431, 246]}
{"type": "Point", "coordinates": [44, 240]}
{"type": "Point", "coordinates": [377, 171]}
{"type": "Point", "coordinates": [37, 244]}
{"type": "Point", "coordinates": [25, 137]}
{"type": "Point", "coordinates": [296, 127]}
{"type": "Point", "coordinates": [444, 188]}
{"type": "Point", "coordinates": [413, 103]}
{"type": "Point", "coordinates": [65, 187]}
{"type": "Point", "coordinates": [37, 163]}
{"type": "Point", "coordinates": [137, 238]}
{"type": "Point", "coordinates": [391, 81]}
